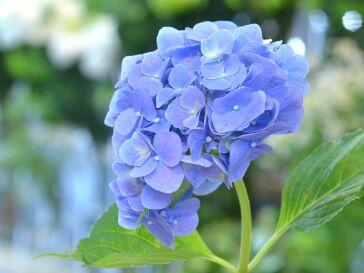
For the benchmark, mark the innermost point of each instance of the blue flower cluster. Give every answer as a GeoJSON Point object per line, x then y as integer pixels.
{"type": "Point", "coordinates": [193, 114]}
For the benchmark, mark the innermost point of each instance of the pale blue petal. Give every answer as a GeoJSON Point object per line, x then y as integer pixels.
{"type": "Point", "coordinates": [135, 202]}
{"type": "Point", "coordinates": [135, 151]}
{"type": "Point", "coordinates": [252, 33]}
{"type": "Point", "coordinates": [128, 64]}
{"type": "Point", "coordinates": [145, 169]}
{"type": "Point", "coordinates": [165, 95]}
{"type": "Point", "coordinates": [128, 219]}
{"type": "Point", "coordinates": [195, 174]}
{"type": "Point", "coordinates": [204, 161]}
{"type": "Point", "coordinates": [192, 98]}
{"type": "Point", "coordinates": [126, 121]}
{"type": "Point", "coordinates": [160, 229]}
{"type": "Point", "coordinates": [175, 114]}
{"type": "Point", "coordinates": [152, 199]}
{"type": "Point", "coordinates": [212, 70]}
{"type": "Point", "coordinates": [151, 85]}
{"type": "Point", "coordinates": [168, 38]}
{"type": "Point", "coordinates": [147, 108]}
{"type": "Point", "coordinates": [219, 43]}
{"type": "Point", "coordinates": [165, 179]}
{"type": "Point", "coordinates": [239, 159]}
{"type": "Point", "coordinates": [180, 77]}
{"type": "Point", "coordinates": [168, 147]}
{"type": "Point", "coordinates": [226, 25]}
{"type": "Point", "coordinates": [195, 142]}
{"type": "Point", "coordinates": [191, 122]}
{"type": "Point", "coordinates": [202, 31]}
{"type": "Point", "coordinates": [152, 65]}
{"type": "Point", "coordinates": [207, 187]}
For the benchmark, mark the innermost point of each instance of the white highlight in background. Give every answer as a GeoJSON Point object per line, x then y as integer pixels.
{"type": "Point", "coordinates": [298, 45]}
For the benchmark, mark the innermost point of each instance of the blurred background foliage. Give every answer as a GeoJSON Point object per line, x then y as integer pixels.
{"type": "Point", "coordinates": [58, 63]}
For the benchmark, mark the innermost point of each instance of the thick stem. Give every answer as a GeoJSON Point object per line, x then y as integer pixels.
{"type": "Point", "coordinates": [275, 237]}
{"type": "Point", "coordinates": [222, 262]}
{"type": "Point", "coordinates": [246, 226]}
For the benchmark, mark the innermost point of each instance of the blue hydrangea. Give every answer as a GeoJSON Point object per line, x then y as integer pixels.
{"type": "Point", "coordinates": [193, 114]}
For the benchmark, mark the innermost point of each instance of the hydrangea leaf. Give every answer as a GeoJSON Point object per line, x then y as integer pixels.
{"type": "Point", "coordinates": [110, 245]}
{"type": "Point", "coordinates": [324, 183]}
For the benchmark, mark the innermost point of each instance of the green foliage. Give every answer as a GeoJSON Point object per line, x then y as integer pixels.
{"type": "Point", "coordinates": [316, 191]}
{"type": "Point", "coordinates": [324, 183]}
{"type": "Point", "coordinates": [109, 245]}
{"type": "Point", "coordinates": [169, 9]}
{"type": "Point", "coordinates": [320, 187]}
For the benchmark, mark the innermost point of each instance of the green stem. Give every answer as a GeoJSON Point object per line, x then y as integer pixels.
{"type": "Point", "coordinates": [222, 262]}
{"type": "Point", "coordinates": [246, 226]}
{"type": "Point", "coordinates": [272, 240]}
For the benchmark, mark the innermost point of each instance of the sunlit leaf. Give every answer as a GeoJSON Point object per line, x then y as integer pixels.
{"type": "Point", "coordinates": [109, 245]}
{"type": "Point", "coordinates": [324, 183]}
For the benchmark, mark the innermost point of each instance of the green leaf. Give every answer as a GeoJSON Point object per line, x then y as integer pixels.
{"type": "Point", "coordinates": [109, 245]}
{"type": "Point", "coordinates": [324, 183]}
{"type": "Point", "coordinates": [320, 187]}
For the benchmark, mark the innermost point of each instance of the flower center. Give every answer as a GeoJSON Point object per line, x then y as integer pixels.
{"type": "Point", "coordinates": [156, 158]}
{"type": "Point", "coordinates": [175, 222]}
{"type": "Point", "coordinates": [149, 223]}
{"type": "Point", "coordinates": [163, 214]}
{"type": "Point", "coordinates": [138, 114]}
{"type": "Point", "coordinates": [156, 120]}
{"type": "Point", "coordinates": [208, 139]}
{"type": "Point", "coordinates": [236, 107]}
{"type": "Point", "coordinates": [253, 144]}
{"type": "Point", "coordinates": [192, 112]}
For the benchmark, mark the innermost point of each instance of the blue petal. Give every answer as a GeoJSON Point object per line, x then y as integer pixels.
{"type": "Point", "coordinates": [152, 65]}
{"type": "Point", "coordinates": [145, 169]}
{"type": "Point", "coordinates": [152, 199]}
{"type": "Point", "coordinates": [120, 169]}
{"type": "Point", "coordinates": [165, 95]}
{"type": "Point", "coordinates": [129, 186]}
{"type": "Point", "coordinates": [202, 31]}
{"type": "Point", "coordinates": [252, 33]}
{"type": "Point", "coordinates": [249, 108]}
{"type": "Point", "coordinates": [165, 179]}
{"type": "Point", "coordinates": [135, 202]}
{"type": "Point", "coordinates": [127, 65]}
{"type": "Point", "coordinates": [151, 85]}
{"type": "Point", "coordinates": [168, 147]}
{"type": "Point", "coordinates": [225, 25]}
{"type": "Point", "coordinates": [128, 219]}
{"type": "Point", "coordinates": [192, 98]}
{"type": "Point", "coordinates": [185, 218]}
{"type": "Point", "coordinates": [126, 121]}
{"type": "Point", "coordinates": [191, 122]}
{"type": "Point", "coordinates": [219, 43]}
{"type": "Point", "coordinates": [216, 84]}
{"type": "Point", "coordinates": [168, 39]}
{"type": "Point", "coordinates": [204, 161]}
{"type": "Point", "coordinates": [195, 142]}
{"type": "Point", "coordinates": [195, 174]}
{"type": "Point", "coordinates": [135, 151]}
{"type": "Point", "coordinates": [206, 188]}
{"type": "Point", "coordinates": [180, 77]}
{"type": "Point", "coordinates": [175, 114]}
{"type": "Point", "coordinates": [147, 106]}
{"type": "Point", "coordinates": [115, 189]}
{"type": "Point", "coordinates": [239, 159]}
{"type": "Point", "coordinates": [212, 70]}
{"type": "Point", "coordinates": [160, 229]}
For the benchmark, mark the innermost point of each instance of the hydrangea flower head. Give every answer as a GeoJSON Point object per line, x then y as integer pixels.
{"type": "Point", "coordinates": [192, 115]}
